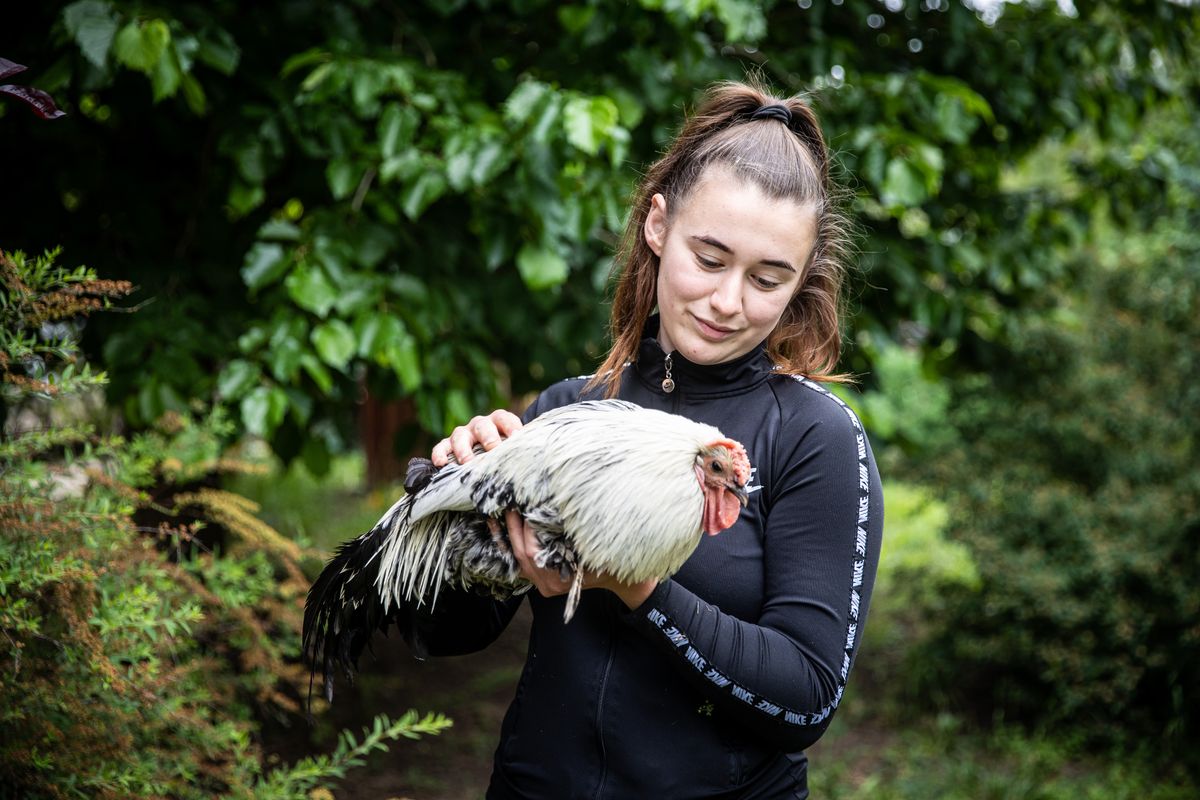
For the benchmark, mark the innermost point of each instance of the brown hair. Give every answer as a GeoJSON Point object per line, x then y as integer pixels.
{"type": "Point", "coordinates": [786, 162]}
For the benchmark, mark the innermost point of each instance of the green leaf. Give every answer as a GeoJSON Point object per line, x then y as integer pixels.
{"type": "Point", "coordinates": [403, 356]}
{"type": "Point", "coordinates": [279, 230]}
{"type": "Point", "coordinates": [459, 156]}
{"type": "Point", "coordinates": [311, 290]}
{"type": "Point", "coordinates": [237, 378]}
{"type": "Point", "coordinates": [263, 264]}
{"type": "Point", "coordinates": [362, 292]}
{"type": "Point", "coordinates": [92, 24]}
{"type": "Point", "coordinates": [317, 76]}
{"type": "Point", "coordinates": [575, 18]}
{"type": "Point", "coordinates": [410, 288]}
{"type": "Point", "coordinates": [375, 333]}
{"type": "Point", "coordinates": [166, 75]}
{"type": "Point", "coordinates": [402, 167]}
{"type": "Point", "coordinates": [492, 158]}
{"type": "Point", "coordinates": [249, 160]}
{"type": "Point", "coordinates": [397, 125]}
{"type": "Point", "coordinates": [244, 198]}
{"type": "Point", "coordinates": [545, 116]}
{"type": "Point", "coordinates": [149, 406]}
{"type": "Point", "coordinates": [263, 409]}
{"type": "Point", "coordinates": [140, 45]}
{"type": "Point", "coordinates": [541, 268]}
{"type": "Point", "coordinates": [589, 121]}
{"type": "Point", "coordinates": [219, 51]}
{"type": "Point", "coordinates": [421, 193]}
{"type": "Point", "coordinates": [902, 184]}
{"type": "Point", "coordinates": [366, 85]}
{"type": "Point", "coordinates": [334, 342]}
{"type": "Point", "coordinates": [953, 121]}
{"type": "Point", "coordinates": [300, 404]}
{"type": "Point", "coordinates": [252, 339]}
{"type": "Point", "coordinates": [193, 94]}
{"type": "Point", "coordinates": [342, 176]}
{"type": "Point", "coordinates": [316, 370]}
{"type": "Point", "coordinates": [284, 359]}
{"type": "Point", "coordinates": [313, 55]}
{"type": "Point", "coordinates": [743, 19]}
{"type": "Point", "coordinates": [523, 99]}
{"type": "Point", "coordinates": [497, 240]}
{"type": "Point", "coordinates": [458, 408]}
{"type": "Point", "coordinates": [315, 455]}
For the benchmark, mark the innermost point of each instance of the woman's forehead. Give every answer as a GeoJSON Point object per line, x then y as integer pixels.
{"type": "Point", "coordinates": [734, 214]}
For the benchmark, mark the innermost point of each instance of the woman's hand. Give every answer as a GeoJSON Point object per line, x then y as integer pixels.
{"type": "Point", "coordinates": [550, 583]}
{"type": "Point", "coordinates": [487, 431]}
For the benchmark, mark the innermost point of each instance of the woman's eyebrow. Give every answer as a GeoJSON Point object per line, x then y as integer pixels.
{"type": "Point", "coordinates": [717, 243]}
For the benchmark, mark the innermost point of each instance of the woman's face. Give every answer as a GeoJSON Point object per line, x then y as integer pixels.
{"type": "Point", "coordinates": [730, 260]}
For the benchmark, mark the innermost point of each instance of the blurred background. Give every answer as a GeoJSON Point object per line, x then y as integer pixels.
{"type": "Point", "coordinates": [274, 248]}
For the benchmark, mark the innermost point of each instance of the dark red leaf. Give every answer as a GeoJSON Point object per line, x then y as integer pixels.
{"type": "Point", "coordinates": [10, 68]}
{"type": "Point", "coordinates": [41, 103]}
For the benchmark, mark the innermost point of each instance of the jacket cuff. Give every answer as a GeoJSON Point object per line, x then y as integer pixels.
{"type": "Point", "coordinates": [659, 599]}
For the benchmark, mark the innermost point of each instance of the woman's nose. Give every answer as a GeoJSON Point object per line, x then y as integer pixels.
{"type": "Point", "coordinates": [726, 297]}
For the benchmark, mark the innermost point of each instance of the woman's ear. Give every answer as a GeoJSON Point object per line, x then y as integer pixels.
{"type": "Point", "coordinates": [655, 227]}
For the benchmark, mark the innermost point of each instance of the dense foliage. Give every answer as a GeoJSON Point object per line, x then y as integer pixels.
{"type": "Point", "coordinates": [1077, 491]}
{"type": "Point", "coordinates": [149, 621]}
{"type": "Point", "coordinates": [322, 197]}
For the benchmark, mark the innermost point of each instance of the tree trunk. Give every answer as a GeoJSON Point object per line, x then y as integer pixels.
{"type": "Point", "coordinates": [390, 436]}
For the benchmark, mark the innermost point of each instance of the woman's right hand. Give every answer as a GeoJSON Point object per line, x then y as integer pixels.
{"type": "Point", "coordinates": [487, 431]}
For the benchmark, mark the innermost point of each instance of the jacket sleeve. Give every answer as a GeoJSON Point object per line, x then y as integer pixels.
{"type": "Point", "coordinates": [460, 623]}
{"type": "Point", "coordinates": [781, 676]}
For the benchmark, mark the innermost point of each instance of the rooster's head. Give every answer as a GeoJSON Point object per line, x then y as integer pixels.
{"type": "Point", "coordinates": [723, 471]}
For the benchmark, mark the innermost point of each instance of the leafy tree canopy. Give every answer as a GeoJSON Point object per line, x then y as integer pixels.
{"type": "Point", "coordinates": [421, 198]}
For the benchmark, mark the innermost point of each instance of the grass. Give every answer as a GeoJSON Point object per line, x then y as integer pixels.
{"type": "Point", "coordinates": [318, 512]}
{"type": "Point", "coordinates": [943, 757]}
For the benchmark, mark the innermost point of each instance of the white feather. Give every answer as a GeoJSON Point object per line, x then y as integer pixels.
{"type": "Point", "coordinates": [619, 477]}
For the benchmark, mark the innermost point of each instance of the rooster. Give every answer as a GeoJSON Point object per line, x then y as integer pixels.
{"type": "Point", "coordinates": [606, 486]}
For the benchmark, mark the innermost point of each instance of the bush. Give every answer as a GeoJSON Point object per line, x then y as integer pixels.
{"type": "Point", "coordinates": [1077, 491]}
{"type": "Point", "coordinates": [918, 568]}
{"type": "Point", "coordinates": [149, 619]}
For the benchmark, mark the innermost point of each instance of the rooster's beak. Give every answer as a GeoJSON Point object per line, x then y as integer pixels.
{"type": "Point", "coordinates": [741, 494]}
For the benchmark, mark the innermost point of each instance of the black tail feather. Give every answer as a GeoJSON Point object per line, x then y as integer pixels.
{"type": "Point", "coordinates": [343, 610]}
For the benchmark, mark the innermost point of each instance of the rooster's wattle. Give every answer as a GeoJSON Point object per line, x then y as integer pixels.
{"type": "Point", "coordinates": [607, 486]}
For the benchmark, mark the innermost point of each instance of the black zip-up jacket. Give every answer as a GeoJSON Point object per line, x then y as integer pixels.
{"type": "Point", "coordinates": [719, 681]}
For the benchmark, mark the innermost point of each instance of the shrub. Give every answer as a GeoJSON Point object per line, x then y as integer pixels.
{"type": "Point", "coordinates": [148, 618]}
{"type": "Point", "coordinates": [1077, 491]}
{"type": "Point", "coordinates": [918, 568]}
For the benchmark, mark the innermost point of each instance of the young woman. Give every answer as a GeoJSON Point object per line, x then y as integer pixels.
{"type": "Point", "coordinates": [711, 683]}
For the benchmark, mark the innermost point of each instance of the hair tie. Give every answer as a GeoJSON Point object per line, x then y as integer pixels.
{"type": "Point", "coordinates": [775, 111]}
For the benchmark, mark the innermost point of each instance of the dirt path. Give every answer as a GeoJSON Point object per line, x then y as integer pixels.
{"type": "Point", "coordinates": [473, 690]}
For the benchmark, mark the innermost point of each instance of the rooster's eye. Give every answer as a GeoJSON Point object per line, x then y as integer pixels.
{"type": "Point", "coordinates": [716, 466]}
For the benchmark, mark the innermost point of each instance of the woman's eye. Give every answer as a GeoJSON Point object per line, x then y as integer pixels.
{"type": "Point", "coordinates": [766, 283]}
{"type": "Point", "coordinates": [707, 262]}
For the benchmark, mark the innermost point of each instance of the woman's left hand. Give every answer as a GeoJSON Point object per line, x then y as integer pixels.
{"type": "Point", "coordinates": [550, 583]}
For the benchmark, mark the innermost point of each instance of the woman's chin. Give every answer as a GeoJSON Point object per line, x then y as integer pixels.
{"type": "Point", "coordinates": [707, 353]}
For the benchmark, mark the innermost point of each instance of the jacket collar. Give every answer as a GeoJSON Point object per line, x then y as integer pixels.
{"type": "Point", "coordinates": [730, 377]}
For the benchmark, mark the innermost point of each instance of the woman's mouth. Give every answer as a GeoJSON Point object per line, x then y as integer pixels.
{"type": "Point", "coordinates": [710, 330]}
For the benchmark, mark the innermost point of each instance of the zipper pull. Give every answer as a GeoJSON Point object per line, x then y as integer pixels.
{"type": "Point", "coordinates": [668, 384]}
